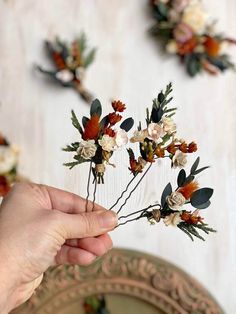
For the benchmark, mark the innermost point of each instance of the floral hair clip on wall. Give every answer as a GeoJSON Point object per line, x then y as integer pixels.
{"type": "Point", "coordinates": [186, 31]}
{"type": "Point", "coordinates": [178, 207]}
{"type": "Point", "coordinates": [71, 62]}
{"type": "Point", "coordinates": [8, 165]}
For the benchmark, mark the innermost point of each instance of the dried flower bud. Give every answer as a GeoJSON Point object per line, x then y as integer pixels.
{"type": "Point", "coordinates": [160, 152]}
{"type": "Point", "coordinates": [183, 147]}
{"type": "Point", "coordinates": [192, 147]}
{"type": "Point", "coordinates": [114, 118]}
{"type": "Point", "coordinates": [117, 105]}
{"type": "Point", "coordinates": [100, 168]}
{"type": "Point", "coordinates": [156, 214]}
{"type": "Point", "coordinates": [172, 149]}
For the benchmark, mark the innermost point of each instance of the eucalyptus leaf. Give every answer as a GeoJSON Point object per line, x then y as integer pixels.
{"type": "Point", "coordinates": [189, 179]}
{"type": "Point", "coordinates": [201, 197]}
{"type": "Point", "coordinates": [85, 121]}
{"type": "Point", "coordinates": [127, 124]}
{"type": "Point", "coordinates": [166, 192]}
{"type": "Point", "coordinates": [195, 165]}
{"type": "Point", "coordinates": [96, 108]}
{"type": "Point", "coordinates": [205, 205]}
{"type": "Point", "coordinates": [200, 170]}
{"type": "Point", "coordinates": [181, 178]}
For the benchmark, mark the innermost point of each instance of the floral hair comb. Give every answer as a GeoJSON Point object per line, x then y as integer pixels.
{"type": "Point", "coordinates": [100, 138]}
{"type": "Point", "coordinates": [70, 63]}
{"type": "Point", "coordinates": [186, 31]}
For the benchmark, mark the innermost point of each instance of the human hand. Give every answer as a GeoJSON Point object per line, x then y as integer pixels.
{"type": "Point", "coordinates": [41, 226]}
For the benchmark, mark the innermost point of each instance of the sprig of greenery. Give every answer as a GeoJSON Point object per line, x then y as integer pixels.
{"type": "Point", "coordinates": [191, 231]}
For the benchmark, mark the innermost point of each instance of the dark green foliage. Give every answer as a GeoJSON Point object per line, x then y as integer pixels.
{"type": "Point", "coordinates": [181, 178]}
{"type": "Point", "coordinates": [191, 229]}
{"type": "Point", "coordinates": [193, 64]}
{"type": "Point", "coordinates": [127, 124]}
{"type": "Point", "coordinates": [96, 108]}
{"type": "Point", "coordinates": [85, 121]}
{"type": "Point", "coordinates": [201, 197]}
{"type": "Point", "coordinates": [167, 191]}
{"type": "Point", "coordinates": [75, 122]}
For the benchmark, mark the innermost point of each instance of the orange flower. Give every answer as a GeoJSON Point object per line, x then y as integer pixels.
{"type": "Point", "coordinates": [172, 149]}
{"type": "Point", "coordinates": [212, 46]}
{"type": "Point", "coordinates": [183, 147]}
{"type": "Point", "coordinates": [188, 189]}
{"type": "Point", "coordinates": [117, 105]}
{"type": "Point", "coordinates": [135, 167]}
{"type": "Point", "coordinates": [114, 118]}
{"type": "Point", "coordinates": [192, 219]}
{"type": "Point", "coordinates": [187, 47]}
{"type": "Point", "coordinates": [160, 152]}
{"type": "Point", "coordinates": [192, 147]}
{"type": "Point", "coordinates": [109, 132]}
{"type": "Point", "coordinates": [4, 186]}
{"type": "Point", "coordinates": [92, 128]}
{"type": "Point", "coordinates": [58, 60]}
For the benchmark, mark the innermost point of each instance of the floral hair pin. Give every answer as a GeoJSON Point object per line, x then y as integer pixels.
{"type": "Point", "coordinates": [8, 165]}
{"type": "Point", "coordinates": [186, 31]}
{"type": "Point", "coordinates": [70, 63]}
{"type": "Point", "coordinates": [158, 140]}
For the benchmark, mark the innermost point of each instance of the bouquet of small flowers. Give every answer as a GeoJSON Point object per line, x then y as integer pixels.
{"type": "Point", "coordinates": [8, 165]}
{"type": "Point", "coordinates": [187, 32]}
{"type": "Point", "coordinates": [71, 62]}
{"type": "Point", "coordinates": [100, 139]}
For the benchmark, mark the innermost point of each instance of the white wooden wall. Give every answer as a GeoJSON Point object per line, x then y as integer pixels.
{"type": "Point", "coordinates": [36, 115]}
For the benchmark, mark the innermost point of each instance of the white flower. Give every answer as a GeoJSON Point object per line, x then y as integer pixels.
{"type": "Point", "coordinates": [155, 131]}
{"type": "Point", "coordinates": [195, 17]}
{"type": "Point", "coordinates": [79, 73]}
{"type": "Point", "coordinates": [87, 149]}
{"type": "Point", "coordinates": [107, 143]}
{"type": "Point", "coordinates": [179, 160]}
{"type": "Point", "coordinates": [121, 138]}
{"type": "Point", "coordinates": [173, 219]}
{"type": "Point", "coordinates": [168, 125]}
{"type": "Point", "coordinates": [8, 159]}
{"type": "Point", "coordinates": [65, 76]}
{"type": "Point", "coordinates": [175, 200]}
{"type": "Point", "coordinates": [139, 136]}
{"type": "Point", "coordinates": [172, 47]}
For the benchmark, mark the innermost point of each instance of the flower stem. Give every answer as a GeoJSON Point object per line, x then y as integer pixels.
{"type": "Point", "coordinates": [130, 220]}
{"type": "Point", "coordinates": [131, 192]}
{"type": "Point", "coordinates": [139, 211]}
{"type": "Point", "coordinates": [94, 192]}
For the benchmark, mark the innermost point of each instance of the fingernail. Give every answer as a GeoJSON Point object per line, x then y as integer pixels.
{"type": "Point", "coordinates": [108, 219]}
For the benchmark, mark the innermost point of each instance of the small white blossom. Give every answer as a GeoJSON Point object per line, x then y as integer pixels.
{"type": "Point", "coordinates": [8, 159]}
{"type": "Point", "coordinates": [87, 149]}
{"type": "Point", "coordinates": [172, 47]}
{"type": "Point", "coordinates": [179, 160]}
{"type": "Point", "coordinates": [79, 73]}
{"type": "Point", "coordinates": [121, 138]}
{"type": "Point", "coordinates": [107, 143]}
{"type": "Point", "coordinates": [155, 131]}
{"type": "Point", "coordinates": [65, 76]}
{"type": "Point", "coordinates": [175, 200]}
{"type": "Point", "coordinates": [195, 17]}
{"type": "Point", "coordinates": [173, 219]}
{"type": "Point", "coordinates": [168, 125]}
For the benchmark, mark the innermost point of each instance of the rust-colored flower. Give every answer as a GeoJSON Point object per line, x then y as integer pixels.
{"type": "Point", "coordinates": [187, 47]}
{"type": "Point", "coordinates": [183, 147]}
{"type": "Point", "coordinates": [3, 141]}
{"type": "Point", "coordinates": [114, 118]}
{"type": "Point", "coordinates": [188, 189]}
{"type": "Point", "coordinates": [212, 46]}
{"type": "Point", "coordinates": [135, 166]}
{"type": "Point", "coordinates": [191, 218]}
{"type": "Point", "coordinates": [109, 132]}
{"type": "Point", "coordinates": [192, 147]}
{"type": "Point", "coordinates": [160, 152]}
{"type": "Point", "coordinates": [60, 63]}
{"type": "Point", "coordinates": [92, 128]}
{"type": "Point", "coordinates": [118, 106]}
{"type": "Point", "coordinates": [172, 148]}
{"type": "Point", "coordinates": [4, 186]}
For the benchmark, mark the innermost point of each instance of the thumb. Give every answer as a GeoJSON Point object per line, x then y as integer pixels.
{"type": "Point", "coordinates": [88, 224]}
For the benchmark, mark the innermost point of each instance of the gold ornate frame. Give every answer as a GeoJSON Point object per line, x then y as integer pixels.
{"type": "Point", "coordinates": [123, 272]}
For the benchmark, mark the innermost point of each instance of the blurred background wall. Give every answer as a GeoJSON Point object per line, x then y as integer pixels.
{"type": "Point", "coordinates": [35, 114]}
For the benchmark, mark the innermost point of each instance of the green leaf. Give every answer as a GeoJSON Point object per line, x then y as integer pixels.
{"type": "Point", "coordinates": [69, 148]}
{"type": "Point", "coordinates": [161, 97]}
{"type": "Point", "coordinates": [201, 196]}
{"type": "Point", "coordinates": [195, 165]}
{"type": "Point", "coordinates": [96, 108]}
{"type": "Point", "coordinates": [75, 122]}
{"type": "Point", "coordinates": [131, 153]}
{"type": "Point", "coordinates": [127, 124]}
{"type": "Point", "coordinates": [166, 192]}
{"type": "Point", "coordinates": [71, 164]}
{"type": "Point", "coordinates": [193, 64]}
{"type": "Point", "coordinates": [156, 114]}
{"type": "Point", "coordinates": [85, 121]}
{"type": "Point", "coordinates": [104, 122]}
{"type": "Point", "coordinates": [82, 43]}
{"type": "Point", "coordinates": [205, 205]}
{"type": "Point", "coordinates": [189, 179]}
{"type": "Point", "coordinates": [200, 170]}
{"type": "Point", "coordinates": [181, 178]}
{"type": "Point", "coordinates": [89, 58]}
